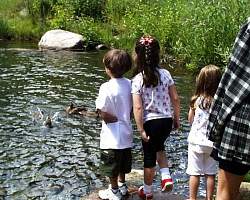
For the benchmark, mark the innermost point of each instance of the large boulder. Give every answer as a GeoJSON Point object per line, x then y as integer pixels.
{"type": "Point", "coordinates": [61, 40]}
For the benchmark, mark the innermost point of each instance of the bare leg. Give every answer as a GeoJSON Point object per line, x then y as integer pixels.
{"type": "Point", "coordinates": [194, 182]}
{"type": "Point", "coordinates": [210, 180]}
{"type": "Point", "coordinates": [162, 159]}
{"type": "Point", "coordinates": [149, 174]}
{"type": "Point", "coordinates": [228, 185]}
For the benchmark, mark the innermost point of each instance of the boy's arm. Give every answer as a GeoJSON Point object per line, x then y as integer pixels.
{"type": "Point", "coordinates": [107, 117]}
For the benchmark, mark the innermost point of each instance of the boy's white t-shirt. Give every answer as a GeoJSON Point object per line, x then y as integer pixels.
{"type": "Point", "coordinates": [115, 98]}
{"type": "Point", "coordinates": [156, 100]}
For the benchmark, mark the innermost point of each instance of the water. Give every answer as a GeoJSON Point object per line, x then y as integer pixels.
{"type": "Point", "coordinates": [62, 162]}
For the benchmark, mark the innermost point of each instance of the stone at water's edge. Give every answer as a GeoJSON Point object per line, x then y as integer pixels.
{"type": "Point", "coordinates": [61, 40]}
{"type": "Point", "coordinates": [244, 191]}
{"type": "Point", "coordinates": [134, 196]}
{"type": "Point", "coordinates": [134, 180]}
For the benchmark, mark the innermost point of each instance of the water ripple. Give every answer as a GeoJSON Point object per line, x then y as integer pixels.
{"type": "Point", "coordinates": [62, 162]}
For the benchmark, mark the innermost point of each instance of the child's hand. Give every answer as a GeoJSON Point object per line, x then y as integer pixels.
{"type": "Point", "coordinates": [144, 136]}
{"type": "Point", "coordinates": [107, 117]}
{"type": "Point", "coordinates": [176, 124]}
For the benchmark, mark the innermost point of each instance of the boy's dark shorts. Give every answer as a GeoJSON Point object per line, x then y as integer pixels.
{"type": "Point", "coordinates": [115, 161]}
{"type": "Point", "coordinates": [158, 130]}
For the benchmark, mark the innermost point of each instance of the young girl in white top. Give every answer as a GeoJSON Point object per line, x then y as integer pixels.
{"type": "Point", "coordinates": [154, 94]}
{"type": "Point", "coordinates": [199, 147]}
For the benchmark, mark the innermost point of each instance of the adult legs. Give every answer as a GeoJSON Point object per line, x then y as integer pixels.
{"type": "Point", "coordinates": [228, 185]}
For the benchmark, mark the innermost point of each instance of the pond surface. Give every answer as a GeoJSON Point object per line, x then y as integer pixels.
{"type": "Point", "coordinates": [62, 162]}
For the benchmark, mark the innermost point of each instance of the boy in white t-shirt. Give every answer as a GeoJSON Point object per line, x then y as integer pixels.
{"type": "Point", "coordinates": [114, 104]}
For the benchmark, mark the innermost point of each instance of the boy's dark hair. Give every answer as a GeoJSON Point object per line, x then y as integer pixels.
{"type": "Point", "coordinates": [118, 62]}
{"type": "Point", "coordinates": [147, 58]}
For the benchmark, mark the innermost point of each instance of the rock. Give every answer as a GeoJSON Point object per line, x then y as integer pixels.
{"type": "Point", "coordinates": [244, 191]}
{"type": "Point", "coordinates": [61, 40]}
{"type": "Point", "coordinates": [101, 47]}
{"type": "Point", "coordinates": [133, 196]}
{"type": "Point", "coordinates": [134, 178]}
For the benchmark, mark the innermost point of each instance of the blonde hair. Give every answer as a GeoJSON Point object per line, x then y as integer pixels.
{"type": "Point", "coordinates": [207, 82]}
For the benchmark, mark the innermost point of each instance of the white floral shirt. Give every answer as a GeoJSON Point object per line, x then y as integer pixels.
{"type": "Point", "coordinates": [156, 100]}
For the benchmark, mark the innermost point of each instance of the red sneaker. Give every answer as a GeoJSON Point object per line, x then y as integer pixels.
{"type": "Point", "coordinates": [167, 185]}
{"type": "Point", "coordinates": [144, 196]}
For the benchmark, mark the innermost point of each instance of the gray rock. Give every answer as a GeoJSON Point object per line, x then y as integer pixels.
{"type": "Point", "coordinates": [134, 179]}
{"type": "Point", "coordinates": [244, 191]}
{"type": "Point", "coordinates": [61, 40]}
{"type": "Point", "coordinates": [101, 47]}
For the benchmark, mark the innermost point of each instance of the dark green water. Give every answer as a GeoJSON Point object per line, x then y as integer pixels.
{"type": "Point", "coordinates": [62, 162]}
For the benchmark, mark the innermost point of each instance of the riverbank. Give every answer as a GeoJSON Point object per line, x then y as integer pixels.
{"type": "Point", "coordinates": [202, 38]}
{"type": "Point", "coordinates": [135, 178]}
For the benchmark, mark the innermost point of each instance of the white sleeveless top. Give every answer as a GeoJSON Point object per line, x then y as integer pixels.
{"type": "Point", "coordinates": [197, 135]}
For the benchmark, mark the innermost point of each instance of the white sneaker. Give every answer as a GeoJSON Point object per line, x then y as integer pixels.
{"type": "Point", "coordinates": [123, 188]}
{"type": "Point", "coordinates": [109, 194]}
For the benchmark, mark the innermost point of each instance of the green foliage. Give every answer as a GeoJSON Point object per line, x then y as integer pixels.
{"type": "Point", "coordinates": [24, 29]}
{"type": "Point", "coordinates": [39, 8]}
{"type": "Point", "coordinates": [88, 8]}
{"type": "Point", "coordinates": [14, 22]}
{"type": "Point", "coordinates": [247, 178]}
{"type": "Point", "coordinates": [5, 31]}
{"type": "Point", "coordinates": [198, 32]}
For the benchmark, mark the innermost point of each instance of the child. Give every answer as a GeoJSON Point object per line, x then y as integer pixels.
{"type": "Point", "coordinates": [114, 104]}
{"type": "Point", "coordinates": [153, 91]}
{"type": "Point", "coordinates": [199, 147]}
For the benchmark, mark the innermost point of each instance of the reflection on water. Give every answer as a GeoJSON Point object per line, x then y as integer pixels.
{"type": "Point", "coordinates": [37, 162]}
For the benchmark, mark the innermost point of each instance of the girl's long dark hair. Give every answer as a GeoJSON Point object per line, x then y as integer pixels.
{"type": "Point", "coordinates": [147, 58]}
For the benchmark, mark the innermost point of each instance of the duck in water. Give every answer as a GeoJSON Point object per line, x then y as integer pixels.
{"type": "Point", "coordinates": [37, 115]}
{"type": "Point", "coordinates": [48, 122]}
{"type": "Point", "coordinates": [74, 109]}
{"type": "Point", "coordinates": [80, 110]}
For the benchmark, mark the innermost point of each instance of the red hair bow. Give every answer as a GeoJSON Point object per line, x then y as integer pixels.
{"type": "Point", "coordinates": [146, 40]}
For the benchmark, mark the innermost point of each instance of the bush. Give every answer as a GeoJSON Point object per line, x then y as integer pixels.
{"type": "Point", "coordinates": [247, 177]}
{"type": "Point", "coordinates": [5, 31]}
{"type": "Point", "coordinates": [196, 32]}
{"type": "Point", "coordinates": [88, 8]}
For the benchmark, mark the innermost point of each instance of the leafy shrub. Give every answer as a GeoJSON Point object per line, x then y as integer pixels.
{"type": "Point", "coordinates": [196, 32]}
{"type": "Point", "coordinates": [247, 178]}
{"type": "Point", "coordinates": [89, 8]}
{"type": "Point", "coordinates": [5, 31]}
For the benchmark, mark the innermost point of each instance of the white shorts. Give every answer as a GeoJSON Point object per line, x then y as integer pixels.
{"type": "Point", "coordinates": [200, 163]}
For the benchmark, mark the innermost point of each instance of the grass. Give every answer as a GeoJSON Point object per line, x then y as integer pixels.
{"type": "Point", "coordinates": [15, 23]}
{"type": "Point", "coordinates": [196, 32]}
{"type": "Point", "coordinates": [247, 178]}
